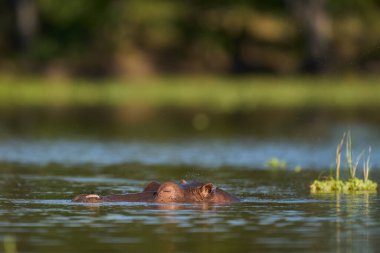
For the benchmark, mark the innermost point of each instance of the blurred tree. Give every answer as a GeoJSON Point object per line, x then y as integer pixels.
{"type": "Point", "coordinates": [26, 21]}
{"type": "Point", "coordinates": [6, 31]}
{"type": "Point", "coordinates": [316, 25]}
{"type": "Point", "coordinates": [141, 37]}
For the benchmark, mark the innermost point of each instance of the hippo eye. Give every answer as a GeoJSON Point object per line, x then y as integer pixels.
{"type": "Point", "coordinates": [166, 191]}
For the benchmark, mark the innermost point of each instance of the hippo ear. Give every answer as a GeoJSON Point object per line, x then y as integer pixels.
{"type": "Point", "coordinates": [207, 190]}
{"type": "Point", "coordinates": [152, 186]}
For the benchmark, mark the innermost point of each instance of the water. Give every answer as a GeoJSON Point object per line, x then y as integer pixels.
{"type": "Point", "coordinates": [39, 176]}
{"type": "Point", "coordinates": [248, 152]}
{"type": "Point", "coordinates": [277, 213]}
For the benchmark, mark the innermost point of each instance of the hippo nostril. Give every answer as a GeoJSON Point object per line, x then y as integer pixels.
{"type": "Point", "coordinates": [166, 191]}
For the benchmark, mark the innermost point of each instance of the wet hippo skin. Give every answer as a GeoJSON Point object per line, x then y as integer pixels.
{"type": "Point", "coordinates": [152, 186]}
{"type": "Point", "coordinates": [200, 192]}
{"type": "Point", "coordinates": [167, 192]}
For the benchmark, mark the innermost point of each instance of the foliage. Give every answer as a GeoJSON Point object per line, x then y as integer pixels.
{"type": "Point", "coordinates": [9, 244]}
{"type": "Point", "coordinates": [275, 163]}
{"type": "Point", "coordinates": [209, 93]}
{"type": "Point", "coordinates": [327, 186]}
{"type": "Point", "coordinates": [356, 184]}
{"type": "Point", "coordinates": [139, 37]}
{"type": "Point", "coordinates": [297, 169]}
{"type": "Point", "coordinates": [353, 184]}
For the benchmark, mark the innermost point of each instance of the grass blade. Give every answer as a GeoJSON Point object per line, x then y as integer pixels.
{"type": "Point", "coordinates": [366, 166]}
{"type": "Point", "coordinates": [349, 154]}
{"type": "Point", "coordinates": [337, 155]}
{"type": "Point", "coordinates": [355, 166]}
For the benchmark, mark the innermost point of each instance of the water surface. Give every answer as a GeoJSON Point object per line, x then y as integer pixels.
{"type": "Point", "coordinates": [39, 176]}
{"type": "Point", "coordinates": [277, 213]}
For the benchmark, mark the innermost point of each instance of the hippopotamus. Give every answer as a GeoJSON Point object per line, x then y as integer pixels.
{"type": "Point", "coordinates": [168, 192]}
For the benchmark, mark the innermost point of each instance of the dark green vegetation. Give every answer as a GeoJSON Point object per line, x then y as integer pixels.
{"type": "Point", "coordinates": [140, 37]}
{"type": "Point", "coordinates": [208, 93]}
{"type": "Point", "coordinates": [353, 184]}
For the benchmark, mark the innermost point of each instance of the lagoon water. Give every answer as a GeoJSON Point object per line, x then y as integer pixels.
{"type": "Point", "coordinates": [211, 152]}
{"type": "Point", "coordinates": [39, 176]}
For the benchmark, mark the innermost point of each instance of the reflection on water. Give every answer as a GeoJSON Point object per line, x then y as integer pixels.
{"type": "Point", "coordinates": [96, 136]}
{"type": "Point", "coordinates": [39, 176]}
{"type": "Point", "coordinates": [353, 221]}
{"type": "Point", "coordinates": [277, 213]}
{"type": "Point", "coordinates": [248, 153]}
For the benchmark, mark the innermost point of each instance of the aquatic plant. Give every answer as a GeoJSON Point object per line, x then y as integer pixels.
{"type": "Point", "coordinates": [9, 244]}
{"type": "Point", "coordinates": [337, 156]}
{"type": "Point", "coordinates": [275, 163]}
{"type": "Point", "coordinates": [353, 184]}
{"type": "Point", "coordinates": [359, 185]}
{"type": "Point", "coordinates": [366, 166]}
{"type": "Point", "coordinates": [327, 185]}
{"type": "Point", "coordinates": [354, 167]}
{"type": "Point", "coordinates": [297, 169]}
{"type": "Point", "coordinates": [349, 154]}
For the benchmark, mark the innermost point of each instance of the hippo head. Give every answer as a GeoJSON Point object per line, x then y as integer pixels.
{"type": "Point", "coordinates": [170, 192]}
{"type": "Point", "coordinates": [200, 192]}
{"type": "Point", "coordinates": [193, 192]}
{"type": "Point", "coordinates": [152, 186]}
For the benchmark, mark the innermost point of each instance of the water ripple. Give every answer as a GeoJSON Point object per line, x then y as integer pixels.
{"type": "Point", "coordinates": [247, 153]}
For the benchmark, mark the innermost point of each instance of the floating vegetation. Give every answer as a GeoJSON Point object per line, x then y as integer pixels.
{"type": "Point", "coordinates": [353, 184]}
{"type": "Point", "coordinates": [9, 244]}
{"type": "Point", "coordinates": [297, 169]}
{"type": "Point", "coordinates": [275, 164]}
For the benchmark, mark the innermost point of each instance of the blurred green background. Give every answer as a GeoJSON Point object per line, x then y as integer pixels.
{"type": "Point", "coordinates": [196, 64]}
{"type": "Point", "coordinates": [98, 38]}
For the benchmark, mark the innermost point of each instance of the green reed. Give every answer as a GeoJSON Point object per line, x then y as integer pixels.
{"type": "Point", "coordinates": [353, 184]}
